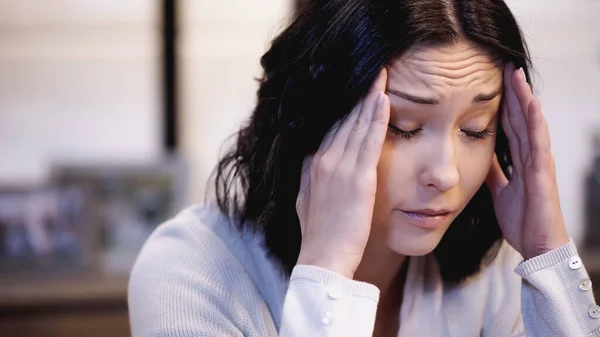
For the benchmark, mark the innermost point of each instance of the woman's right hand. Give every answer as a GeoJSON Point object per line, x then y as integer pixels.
{"type": "Point", "coordinates": [338, 186]}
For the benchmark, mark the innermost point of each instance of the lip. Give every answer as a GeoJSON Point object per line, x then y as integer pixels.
{"type": "Point", "coordinates": [427, 218]}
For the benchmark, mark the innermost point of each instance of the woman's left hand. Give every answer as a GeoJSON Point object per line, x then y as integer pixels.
{"type": "Point", "coordinates": [527, 206]}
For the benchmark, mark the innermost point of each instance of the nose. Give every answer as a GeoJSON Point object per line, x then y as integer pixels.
{"type": "Point", "coordinates": [440, 169]}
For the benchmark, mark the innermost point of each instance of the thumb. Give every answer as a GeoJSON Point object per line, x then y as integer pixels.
{"type": "Point", "coordinates": [381, 81]}
{"type": "Point", "coordinates": [304, 192]}
{"type": "Point", "coordinates": [496, 180]}
{"type": "Point", "coordinates": [305, 174]}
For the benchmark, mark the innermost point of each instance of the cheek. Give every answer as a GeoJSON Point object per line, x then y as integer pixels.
{"type": "Point", "coordinates": [474, 165]}
{"type": "Point", "coordinates": [395, 170]}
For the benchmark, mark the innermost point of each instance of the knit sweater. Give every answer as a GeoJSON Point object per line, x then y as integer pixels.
{"type": "Point", "coordinates": [198, 275]}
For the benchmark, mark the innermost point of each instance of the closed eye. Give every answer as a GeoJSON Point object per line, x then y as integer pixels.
{"type": "Point", "coordinates": [402, 134]}
{"type": "Point", "coordinates": [396, 132]}
{"type": "Point", "coordinates": [479, 135]}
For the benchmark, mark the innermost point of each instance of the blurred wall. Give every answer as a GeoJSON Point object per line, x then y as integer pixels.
{"type": "Point", "coordinates": [79, 81]}
{"type": "Point", "coordinates": [221, 43]}
{"type": "Point", "coordinates": [564, 37]}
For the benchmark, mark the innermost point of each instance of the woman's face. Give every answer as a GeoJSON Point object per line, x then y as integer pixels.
{"type": "Point", "coordinates": [443, 120]}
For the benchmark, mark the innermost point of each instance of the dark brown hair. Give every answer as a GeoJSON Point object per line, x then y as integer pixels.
{"type": "Point", "coordinates": [315, 71]}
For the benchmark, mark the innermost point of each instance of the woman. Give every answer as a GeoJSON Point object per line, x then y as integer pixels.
{"type": "Point", "coordinates": [395, 179]}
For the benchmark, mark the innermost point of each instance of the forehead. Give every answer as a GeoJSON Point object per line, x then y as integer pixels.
{"type": "Point", "coordinates": [445, 69]}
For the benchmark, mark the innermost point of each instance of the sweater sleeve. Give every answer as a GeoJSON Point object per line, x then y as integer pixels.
{"type": "Point", "coordinates": [186, 283]}
{"type": "Point", "coordinates": [556, 296]}
{"type": "Point", "coordinates": [322, 303]}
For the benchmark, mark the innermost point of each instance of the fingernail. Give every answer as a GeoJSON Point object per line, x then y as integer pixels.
{"type": "Point", "coordinates": [379, 99]}
{"type": "Point", "coordinates": [522, 71]}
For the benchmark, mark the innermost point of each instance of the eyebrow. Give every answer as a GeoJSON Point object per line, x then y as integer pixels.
{"type": "Point", "coordinates": [487, 97]}
{"type": "Point", "coordinates": [434, 100]}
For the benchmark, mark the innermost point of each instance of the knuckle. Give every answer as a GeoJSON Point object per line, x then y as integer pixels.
{"type": "Point", "coordinates": [379, 119]}
{"type": "Point", "coordinates": [299, 202]}
{"type": "Point", "coordinates": [300, 208]}
{"type": "Point", "coordinates": [359, 124]}
{"type": "Point", "coordinates": [368, 144]}
{"type": "Point", "coordinates": [325, 167]}
{"type": "Point", "coordinates": [314, 170]}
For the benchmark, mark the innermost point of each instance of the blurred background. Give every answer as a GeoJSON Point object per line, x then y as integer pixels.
{"type": "Point", "coordinates": [113, 113]}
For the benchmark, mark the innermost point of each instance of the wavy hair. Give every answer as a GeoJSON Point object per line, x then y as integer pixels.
{"type": "Point", "coordinates": [315, 71]}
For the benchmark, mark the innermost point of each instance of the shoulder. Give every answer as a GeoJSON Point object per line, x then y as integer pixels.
{"type": "Point", "coordinates": [187, 244]}
{"type": "Point", "coordinates": [193, 265]}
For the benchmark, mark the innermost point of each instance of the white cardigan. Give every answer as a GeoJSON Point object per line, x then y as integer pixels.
{"type": "Point", "coordinates": [199, 276]}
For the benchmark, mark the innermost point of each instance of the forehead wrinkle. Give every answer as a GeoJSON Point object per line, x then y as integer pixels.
{"type": "Point", "coordinates": [444, 67]}
{"type": "Point", "coordinates": [487, 80]}
{"type": "Point", "coordinates": [402, 78]}
{"type": "Point", "coordinates": [478, 71]}
{"type": "Point", "coordinates": [453, 70]}
{"type": "Point", "coordinates": [466, 75]}
{"type": "Point", "coordinates": [452, 64]}
{"type": "Point", "coordinates": [435, 81]}
{"type": "Point", "coordinates": [429, 71]}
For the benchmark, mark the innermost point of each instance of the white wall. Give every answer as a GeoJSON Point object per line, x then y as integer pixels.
{"type": "Point", "coordinates": [79, 81]}
{"type": "Point", "coordinates": [564, 37]}
{"type": "Point", "coordinates": [221, 43]}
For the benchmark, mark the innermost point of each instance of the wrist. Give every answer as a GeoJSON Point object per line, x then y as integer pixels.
{"type": "Point", "coordinates": [534, 251]}
{"type": "Point", "coordinates": [329, 262]}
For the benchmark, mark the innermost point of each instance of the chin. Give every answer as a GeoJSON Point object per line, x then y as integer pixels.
{"type": "Point", "coordinates": [412, 241]}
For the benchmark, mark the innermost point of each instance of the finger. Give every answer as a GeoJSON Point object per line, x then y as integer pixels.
{"type": "Point", "coordinates": [513, 141]}
{"type": "Point", "coordinates": [522, 91]}
{"type": "Point", "coordinates": [525, 97]}
{"type": "Point", "coordinates": [336, 146]}
{"type": "Point", "coordinates": [328, 138]}
{"type": "Point", "coordinates": [370, 150]}
{"type": "Point", "coordinates": [539, 137]}
{"type": "Point", "coordinates": [515, 114]}
{"type": "Point", "coordinates": [305, 175]}
{"type": "Point", "coordinates": [496, 180]}
{"type": "Point", "coordinates": [381, 82]}
{"type": "Point", "coordinates": [361, 127]}
{"type": "Point", "coordinates": [304, 191]}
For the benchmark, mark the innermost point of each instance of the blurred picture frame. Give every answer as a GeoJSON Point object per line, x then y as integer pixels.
{"type": "Point", "coordinates": [42, 230]}
{"type": "Point", "coordinates": [124, 204]}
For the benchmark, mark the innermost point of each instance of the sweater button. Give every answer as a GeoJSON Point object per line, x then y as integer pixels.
{"type": "Point", "coordinates": [327, 318]}
{"type": "Point", "coordinates": [335, 293]}
{"type": "Point", "coordinates": [575, 262]}
{"type": "Point", "coordinates": [585, 284]}
{"type": "Point", "coordinates": [594, 311]}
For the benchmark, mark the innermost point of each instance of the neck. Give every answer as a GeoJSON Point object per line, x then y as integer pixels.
{"type": "Point", "coordinates": [382, 267]}
{"type": "Point", "coordinates": [387, 270]}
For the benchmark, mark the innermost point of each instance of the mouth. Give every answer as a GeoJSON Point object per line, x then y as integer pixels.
{"type": "Point", "coordinates": [428, 218]}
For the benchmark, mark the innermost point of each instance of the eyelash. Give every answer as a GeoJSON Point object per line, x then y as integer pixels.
{"type": "Point", "coordinates": [475, 135]}
{"type": "Point", "coordinates": [403, 134]}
